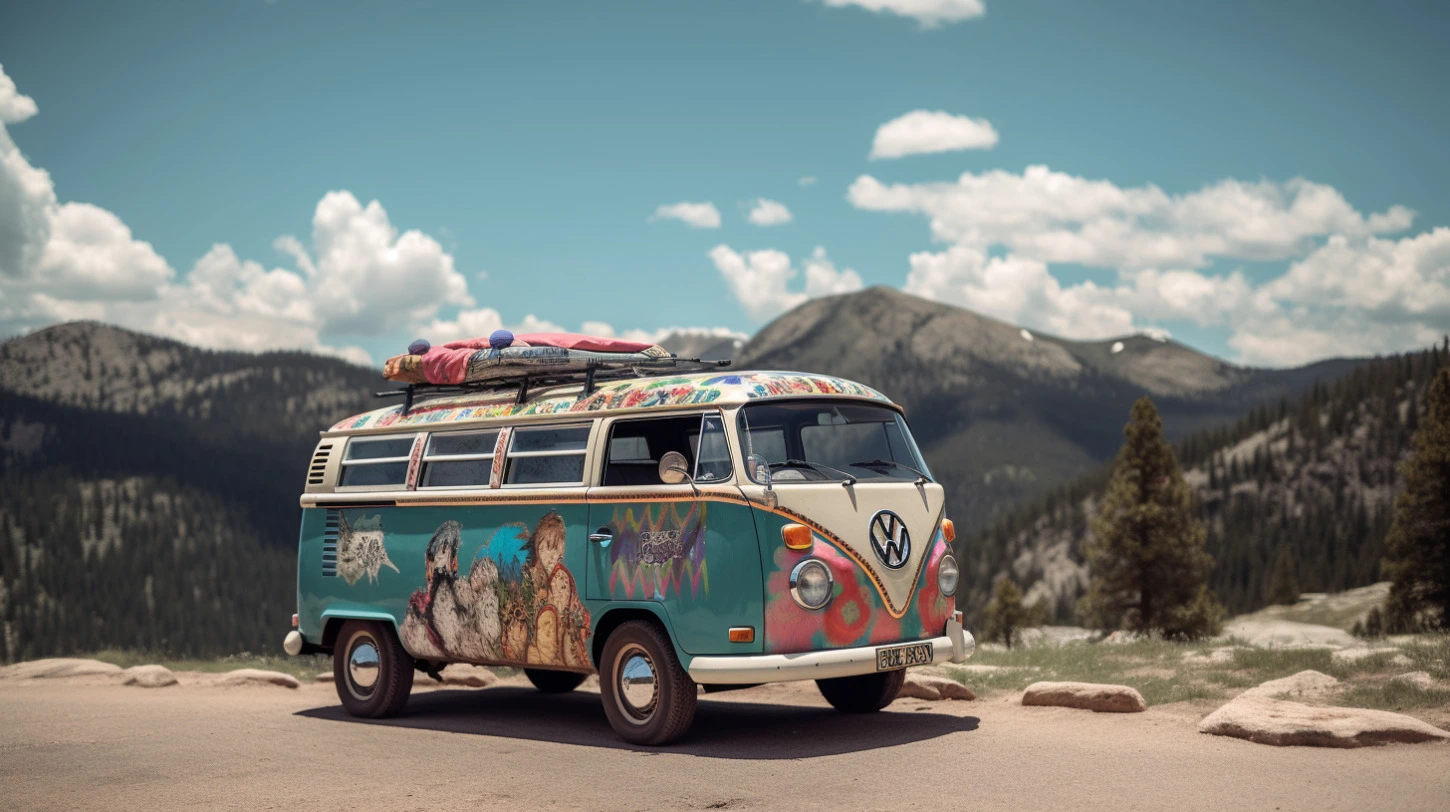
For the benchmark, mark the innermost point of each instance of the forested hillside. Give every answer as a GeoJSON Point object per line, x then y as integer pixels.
{"type": "Point", "coordinates": [1316, 474]}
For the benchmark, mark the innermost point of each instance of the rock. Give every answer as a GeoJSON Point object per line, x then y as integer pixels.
{"type": "Point", "coordinates": [925, 686]}
{"type": "Point", "coordinates": [471, 676]}
{"type": "Point", "coordinates": [148, 676]}
{"type": "Point", "coordinates": [1354, 655]}
{"type": "Point", "coordinates": [256, 676]}
{"type": "Point", "coordinates": [1282, 723]}
{"type": "Point", "coordinates": [1419, 679]}
{"type": "Point", "coordinates": [1301, 685]}
{"type": "Point", "coordinates": [58, 667]}
{"type": "Point", "coordinates": [1268, 633]}
{"type": "Point", "coordinates": [325, 676]}
{"type": "Point", "coordinates": [1086, 696]}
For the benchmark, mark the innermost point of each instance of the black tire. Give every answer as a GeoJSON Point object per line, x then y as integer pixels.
{"type": "Point", "coordinates": [671, 709]}
{"type": "Point", "coordinates": [554, 682]}
{"type": "Point", "coordinates": [866, 693]}
{"type": "Point", "coordinates": [393, 680]}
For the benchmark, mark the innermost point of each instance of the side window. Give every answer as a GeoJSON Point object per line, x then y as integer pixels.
{"type": "Point", "coordinates": [550, 455]}
{"type": "Point", "coordinates": [456, 460]}
{"type": "Point", "coordinates": [376, 462]}
{"type": "Point", "coordinates": [712, 450]}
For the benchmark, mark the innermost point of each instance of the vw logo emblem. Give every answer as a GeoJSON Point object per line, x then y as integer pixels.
{"type": "Point", "coordinates": [889, 539]}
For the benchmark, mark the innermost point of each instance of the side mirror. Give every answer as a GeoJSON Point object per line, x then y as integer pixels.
{"type": "Point", "coordinates": [758, 469]}
{"type": "Point", "coordinates": [674, 468]}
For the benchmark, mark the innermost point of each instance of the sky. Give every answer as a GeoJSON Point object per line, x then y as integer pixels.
{"type": "Point", "coordinates": [1265, 182]}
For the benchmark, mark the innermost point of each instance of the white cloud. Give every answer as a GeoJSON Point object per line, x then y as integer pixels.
{"type": "Point", "coordinates": [1057, 217]}
{"type": "Point", "coordinates": [808, 180]}
{"type": "Point", "coordinates": [921, 132]}
{"type": "Point", "coordinates": [14, 108]}
{"type": "Point", "coordinates": [696, 215]}
{"type": "Point", "coordinates": [929, 13]}
{"type": "Point", "coordinates": [760, 280]}
{"type": "Point", "coordinates": [769, 213]}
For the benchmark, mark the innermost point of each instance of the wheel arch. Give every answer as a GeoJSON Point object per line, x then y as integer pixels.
{"type": "Point", "coordinates": [617, 616]}
{"type": "Point", "coordinates": [332, 623]}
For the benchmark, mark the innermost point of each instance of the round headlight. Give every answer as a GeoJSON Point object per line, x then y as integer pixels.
{"type": "Point", "coordinates": [811, 584]}
{"type": "Point", "coordinates": [947, 575]}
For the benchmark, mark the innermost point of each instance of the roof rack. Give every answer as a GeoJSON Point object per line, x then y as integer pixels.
{"type": "Point", "coordinates": [535, 381]}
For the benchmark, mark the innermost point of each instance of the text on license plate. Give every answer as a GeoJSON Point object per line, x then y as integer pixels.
{"type": "Point", "coordinates": [903, 656]}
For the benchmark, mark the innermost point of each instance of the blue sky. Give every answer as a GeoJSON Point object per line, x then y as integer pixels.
{"type": "Point", "coordinates": [531, 145]}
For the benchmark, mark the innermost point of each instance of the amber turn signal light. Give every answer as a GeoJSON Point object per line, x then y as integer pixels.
{"type": "Point", "coordinates": [742, 634]}
{"type": "Point", "coordinates": [797, 536]}
{"type": "Point", "coordinates": [948, 530]}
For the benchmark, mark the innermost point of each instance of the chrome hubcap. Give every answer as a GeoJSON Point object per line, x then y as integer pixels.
{"type": "Point", "coordinates": [637, 689]}
{"type": "Point", "coordinates": [363, 663]}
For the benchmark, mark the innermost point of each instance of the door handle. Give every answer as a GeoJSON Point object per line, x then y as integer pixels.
{"type": "Point", "coordinates": [603, 536]}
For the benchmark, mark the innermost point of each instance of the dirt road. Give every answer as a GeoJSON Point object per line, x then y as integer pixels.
{"type": "Point", "coordinates": [104, 746]}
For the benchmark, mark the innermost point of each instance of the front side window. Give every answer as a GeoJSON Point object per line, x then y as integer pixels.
{"type": "Point", "coordinates": [376, 462]}
{"type": "Point", "coordinates": [550, 455]}
{"type": "Point", "coordinates": [813, 441]}
{"type": "Point", "coordinates": [458, 460]}
{"type": "Point", "coordinates": [636, 447]}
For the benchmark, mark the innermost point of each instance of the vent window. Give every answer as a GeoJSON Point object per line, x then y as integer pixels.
{"type": "Point", "coordinates": [376, 462]}
{"type": "Point", "coordinates": [317, 471]}
{"type": "Point", "coordinates": [547, 456]}
{"type": "Point", "coordinates": [329, 545]}
{"type": "Point", "coordinates": [459, 460]}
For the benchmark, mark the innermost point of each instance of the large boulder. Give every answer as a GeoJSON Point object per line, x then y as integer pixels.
{"type": "Point", "coordinates": [1085, 696]}
{"type": "Point", "coordinates": [148, 676]}
{"type": "Point", "coordinates": [926, 686]}
{"type": "Point", "coordinates": [1272, 633]}
{"type": "Point", "coordinates": [1280, 722]}
{"type": "Point", "coordinates": [256, 676]}
{"type": "Point", "coordinates": [470, 676]}
{"type": "Point", "coordinates": [59, 667]}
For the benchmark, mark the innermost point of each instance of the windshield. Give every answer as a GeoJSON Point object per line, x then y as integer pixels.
{"type": "Point", "coordinates": [805, 441]}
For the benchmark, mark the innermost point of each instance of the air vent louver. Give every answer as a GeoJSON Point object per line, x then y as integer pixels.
{"type": "Point", "coordinates": [317, 472]}
{"type": "Point", "coordinates": [329, 545]}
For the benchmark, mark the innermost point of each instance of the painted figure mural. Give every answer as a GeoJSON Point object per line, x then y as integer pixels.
{"type": "Point", "coordinates": [517, 603]}
{"type": "Point", "coordinates": [360, 549]}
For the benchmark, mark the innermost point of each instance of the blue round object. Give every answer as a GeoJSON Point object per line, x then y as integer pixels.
{"type": "Point", "coordinates": [419, 347]}
{"type": "Point", "coordinates": [500, 339]}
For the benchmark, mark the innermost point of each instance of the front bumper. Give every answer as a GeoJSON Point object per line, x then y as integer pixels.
{"type": "Point", "coordinates": [955, 646]}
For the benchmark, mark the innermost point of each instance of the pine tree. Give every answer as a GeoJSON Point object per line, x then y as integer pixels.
{"type": "Point", "coordinates": [1284, 581]}
{"type": "Point", "coordinates": [1147, 561]}
{"type": "Point", "coordinates": [1417, 558]}
{"type": "Point", "coordinates": [1006, 614]}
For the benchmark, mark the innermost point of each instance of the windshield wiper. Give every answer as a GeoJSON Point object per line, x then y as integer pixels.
{"type": "Point", "coordinates": [881, 463]}
{"type": "Point", "coordinates": [850, 479]}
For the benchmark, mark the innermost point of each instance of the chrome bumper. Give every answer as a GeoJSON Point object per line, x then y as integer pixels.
{"type": "Point", "coordinates": [955, 646]}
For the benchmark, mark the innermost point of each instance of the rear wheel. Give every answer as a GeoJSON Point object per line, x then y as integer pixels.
{"type": "Point", "coordinates": [866, 693]}
{"type": "Point", "coordinates": [648, 697]}
{"type": "Point", "coordinates": [372, 672]}
{"type": "Point", "coordinates": [554, 682]}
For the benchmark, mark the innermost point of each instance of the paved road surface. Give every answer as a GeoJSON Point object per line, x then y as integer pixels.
{"type": "Point", "coordinates": [101, 746]}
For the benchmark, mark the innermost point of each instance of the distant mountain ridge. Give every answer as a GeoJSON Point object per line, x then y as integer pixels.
{"type": "Point", "coordinates": [1003, 413]}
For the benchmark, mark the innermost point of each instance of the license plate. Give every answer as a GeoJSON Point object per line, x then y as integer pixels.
{"type": "Point", "coordinates": [888, 659]}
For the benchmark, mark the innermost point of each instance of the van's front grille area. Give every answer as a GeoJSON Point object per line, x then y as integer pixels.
{"type": "Point", "coordinates": [317, 472]}
{"type": "Point", "coordinates": [329, 544]}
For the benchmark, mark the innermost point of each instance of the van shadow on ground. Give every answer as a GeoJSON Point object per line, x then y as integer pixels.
{"type": "Point", "coordinates": [741, 730]}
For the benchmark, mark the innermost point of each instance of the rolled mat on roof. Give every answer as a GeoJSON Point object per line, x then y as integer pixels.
{"type": "Point", "coordinates": [474, 360]}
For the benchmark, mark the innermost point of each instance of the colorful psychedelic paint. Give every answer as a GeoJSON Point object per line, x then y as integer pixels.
{"type": "Point", "coordinates": [856, 615]}
{"type": "Point", "coordinates": [659, 551]}
{"type": "Point", "coordinates": [518, 603]}
{"type": "Point", "coordinates": [644, 393]}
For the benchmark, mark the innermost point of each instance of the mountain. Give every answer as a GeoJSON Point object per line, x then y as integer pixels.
{"type": "Point", "coordinates": [1002, 413]}
{"type": "Point", "coordinates": [148, 489]}
{"type": "Point", "coordinates": [1317, 475]}
{"type": "Point", "coordinates": [707, 345]}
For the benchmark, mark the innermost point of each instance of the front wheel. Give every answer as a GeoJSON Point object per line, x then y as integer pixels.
{"type": "Point", "coordinates": [866, 693]}
{"type": "Point", "coordinates": [648, 697]}
{"type": "Point", "coordinates": [372, 672]}
{"type": "Point", "coordinates": [554, 682]}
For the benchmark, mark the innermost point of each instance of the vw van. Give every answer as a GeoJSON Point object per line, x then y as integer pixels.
{"type": "Point", "coordinates": [666, 533]}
